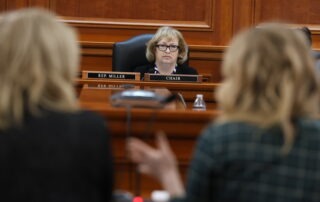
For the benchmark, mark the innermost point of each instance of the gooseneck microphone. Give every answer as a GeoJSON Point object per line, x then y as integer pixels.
{"type": "Point", "coordinates": [134, 175]}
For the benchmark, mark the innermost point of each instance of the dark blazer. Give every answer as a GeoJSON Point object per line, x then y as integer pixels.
{"type": "Point", "coordinates": [316, 56]}
{"type": "Point", "coordinates": [180, 69]}
{"type": "Point", "coordinates": [57, 157]}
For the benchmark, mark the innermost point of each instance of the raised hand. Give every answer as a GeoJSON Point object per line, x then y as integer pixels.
{"type": "Point", "coordinates": [158, 162]}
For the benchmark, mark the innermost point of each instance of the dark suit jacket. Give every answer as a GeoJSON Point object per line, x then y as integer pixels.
{"type": "Point", "coordinates": [180, 69]}
{"type": "Point", "coordinates": [316, 56]}
{"type": "Point", "coordinates": [57, 157]}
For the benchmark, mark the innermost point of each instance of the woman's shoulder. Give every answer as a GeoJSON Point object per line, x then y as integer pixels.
{"type": "Point", "coordinates": [240, 130]}
{"type": "Point", "coordinates": [80, 117]}
{"type": "Point", "coordinates": [143, 68]}
{"type": "Point", "coordinates": [86, 114]}
{"type": "Point", "coordinates": [308, 125]}
{"type": "Point", "coordinates": [83, 121]}
{"type": "Point", "coordinates": [185, 69]}
{"type": "Point", "coordinates": [229, 128]}
{"type": "Point", "coordinates": [239, 133]}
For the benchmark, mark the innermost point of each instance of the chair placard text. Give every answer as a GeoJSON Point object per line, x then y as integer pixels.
{"type": "Point", "coordinates": [173, 77]}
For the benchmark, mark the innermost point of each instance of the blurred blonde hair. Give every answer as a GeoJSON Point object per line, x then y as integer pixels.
{"type": "Point", "coordinates": [167, 33]}
{"type": "Point", "coordinates": [269, 79]}
{"type": "Point", "coordinates": [39, 57]}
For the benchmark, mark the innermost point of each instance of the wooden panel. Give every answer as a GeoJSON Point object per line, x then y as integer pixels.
{"type": "Point", "coordinates": [208, 22]}
{"type": "Point", "coordinates": [40, 3]}
{"type": "Point", "coordinates": [96, 56]}
{"type": "Point", "coordinates": [16, 4]}
{"type": "Point", "coordinates": [243, 14]}
{"type": "Point", "coordinates": [3, 5]}
{"type": "Point", "coordinates": [126, 12]}
{"type": "Point", "coordinates": [316, 39]}
{"type": "Point", "coordinates": [296, 12]}
{"type": "Point", "coordinates": [299, 13]}
{"type": "Point", "coordinates": [134, 9]}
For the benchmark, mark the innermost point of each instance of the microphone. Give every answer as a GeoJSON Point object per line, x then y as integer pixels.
{"type": "Point", "coordinates": [140, 98]}
{"type": "Point", "coordinates": [169, 99]}
{"type": "Point", "coordinates": [181, 99]}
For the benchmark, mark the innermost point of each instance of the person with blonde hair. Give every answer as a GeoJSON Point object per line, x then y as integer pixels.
{"type": "Point", "coordinates": [167, 52]}
{"type": "Point", "coordinates": [50, 150]}
{"type": "Point", "coordinates": [264, 146]}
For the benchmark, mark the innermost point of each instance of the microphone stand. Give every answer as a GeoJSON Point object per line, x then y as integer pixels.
{"type": "Point", "coordinates": [134, 176]}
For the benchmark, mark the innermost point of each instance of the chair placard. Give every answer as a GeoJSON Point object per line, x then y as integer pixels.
{"type": "Point", "coordinates": [110, 75]}
{"type": "Point", "coordinates": [173, 77]}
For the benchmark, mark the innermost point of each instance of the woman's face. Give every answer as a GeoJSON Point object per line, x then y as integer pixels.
{"type": "Point", "coordinates": [167, 51]}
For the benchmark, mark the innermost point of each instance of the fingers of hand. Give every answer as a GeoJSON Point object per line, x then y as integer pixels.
{"type": "Point", "coordinates": [138, 150]}
{"type": "Point", "coordinates": [148, 170]}
{"type": "Point", "coordinates": [145, 169]}
{"type": "Point", "coordinates": [163, 143]}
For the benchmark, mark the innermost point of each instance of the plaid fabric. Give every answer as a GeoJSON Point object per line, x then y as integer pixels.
{"type": "Point", "coordinates": [241, 162]}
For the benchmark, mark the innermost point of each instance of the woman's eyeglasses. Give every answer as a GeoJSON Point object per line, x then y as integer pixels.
{"type": "Point", "coordinates": [172, 48]}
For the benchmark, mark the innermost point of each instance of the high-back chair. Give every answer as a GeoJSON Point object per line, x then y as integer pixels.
{"type": "Point", "coordinates": [127, 55]}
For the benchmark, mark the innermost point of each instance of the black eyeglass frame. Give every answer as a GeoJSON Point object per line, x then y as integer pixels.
{"type": "Point", "coordinates": [164, 48]}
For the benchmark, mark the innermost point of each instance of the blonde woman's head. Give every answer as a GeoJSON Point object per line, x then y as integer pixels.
{"type": "Point", "coordinates": [269, 78]}
{"type": "Point", "coordinates": [168, 33]}
{"type": "Point", "coordinates": [39, 57]}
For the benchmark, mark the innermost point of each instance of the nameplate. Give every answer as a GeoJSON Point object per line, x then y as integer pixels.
{"type": "Point", "coordinates": [173, 77]}
{"type": "Point", "coordinates": [110, 75]}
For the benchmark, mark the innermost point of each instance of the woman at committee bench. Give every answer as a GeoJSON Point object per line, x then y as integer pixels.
{"type": "Point", "coordinates": [50, 150]}
{"type": "Point", "coordinates": [264, 146]}
{"type": "Point", "coordinates": [166, 51]}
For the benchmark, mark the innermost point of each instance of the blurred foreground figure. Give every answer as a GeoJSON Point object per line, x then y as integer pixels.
{"type": "Point", "coordinates": [264, 146]}
{"type": "Point", "coordinates": [50, 150]}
